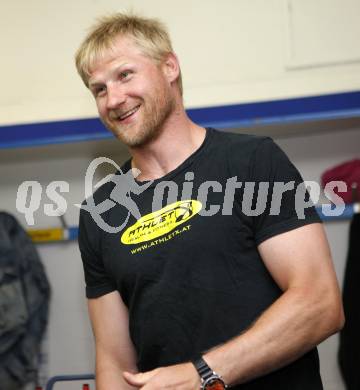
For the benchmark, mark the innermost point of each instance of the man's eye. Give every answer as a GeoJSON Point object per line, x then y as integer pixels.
{"type": "Point", "coordinates": [125, 74]}
{"type": "Point", "coordinates": [99, 91]}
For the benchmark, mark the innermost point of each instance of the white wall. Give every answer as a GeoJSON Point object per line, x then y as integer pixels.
{"type": "Point", "coordinates": [243, 50]}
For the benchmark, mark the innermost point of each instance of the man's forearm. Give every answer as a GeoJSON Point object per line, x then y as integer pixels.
{"type": "Point", "coordinates": [108, 380]}
{"type": "Point", "coordinates": [293, 325]}
{"type": "Point", "coordinates": [110, 377]}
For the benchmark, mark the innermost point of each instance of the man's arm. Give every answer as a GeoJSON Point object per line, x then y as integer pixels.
{"type": "Point", "coordinates": [308, 311]}
{"type": "Point", "coordinates": [114, 350]}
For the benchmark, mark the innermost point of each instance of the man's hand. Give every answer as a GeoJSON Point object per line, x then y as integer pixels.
{"type": "Point", "coordinates": [180, 376]}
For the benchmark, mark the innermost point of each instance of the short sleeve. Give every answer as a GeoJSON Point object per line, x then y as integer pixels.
{"type": "Point", "coordinates": [288, 203]}
{"type": "Point", "coordinates": [98, 281]}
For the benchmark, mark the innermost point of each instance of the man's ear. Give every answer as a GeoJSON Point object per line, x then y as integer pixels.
{"type": "Point", "coordinates": [171, 67]}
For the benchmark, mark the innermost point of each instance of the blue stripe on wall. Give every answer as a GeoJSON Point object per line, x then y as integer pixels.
{"type": "Point", "coordinates": [297, 110]}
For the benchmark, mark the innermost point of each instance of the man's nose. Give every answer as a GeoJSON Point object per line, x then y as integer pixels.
{"type": "Point", "coordinates": [115, 97]}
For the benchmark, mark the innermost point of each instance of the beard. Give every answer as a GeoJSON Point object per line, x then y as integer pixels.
{"type": "Point", "coordinates": [153, 114]}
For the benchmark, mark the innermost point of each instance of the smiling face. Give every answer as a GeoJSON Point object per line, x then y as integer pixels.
{"type": "Point", "coordinates": [133, 93]}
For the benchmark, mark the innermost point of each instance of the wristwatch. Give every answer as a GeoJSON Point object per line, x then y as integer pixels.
{"type": "Point", "coordinates": [210, 380]}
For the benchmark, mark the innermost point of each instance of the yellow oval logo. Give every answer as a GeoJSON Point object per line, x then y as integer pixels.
{"type": "Point", "coordinates": [160, 222]}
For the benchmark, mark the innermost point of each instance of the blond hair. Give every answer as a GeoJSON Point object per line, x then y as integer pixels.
{"type": "Point", "coordinates": [149, 35]}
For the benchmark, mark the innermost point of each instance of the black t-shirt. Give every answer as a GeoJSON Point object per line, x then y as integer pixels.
{"type": "Point", "coordinates": [193, 281]}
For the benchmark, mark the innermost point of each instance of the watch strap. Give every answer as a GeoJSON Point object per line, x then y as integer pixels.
{"type": "Point", "coordinates": [205, 372]}
{"type": "Point", "coordinates": [202, 368]}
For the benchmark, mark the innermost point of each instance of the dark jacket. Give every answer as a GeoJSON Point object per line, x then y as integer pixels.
{"type": "Point", "coordinates": [24, 304]}
{"type": "Point", "coordinates": [349, 348]}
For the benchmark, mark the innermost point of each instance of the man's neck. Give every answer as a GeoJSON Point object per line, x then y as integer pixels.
{"type": "Point", "coordinates": [176, 142]}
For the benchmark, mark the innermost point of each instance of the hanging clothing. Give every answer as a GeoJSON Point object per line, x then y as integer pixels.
{"type": "Point", "coordinates": [24, 305]}
{"type": "Point", "coordinates": [349, 349]}
{"type": "Point", "coordinates": [347, 172]}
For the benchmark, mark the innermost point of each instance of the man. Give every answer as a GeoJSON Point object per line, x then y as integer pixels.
{"type": "Point", "coordinates": [186, 296]}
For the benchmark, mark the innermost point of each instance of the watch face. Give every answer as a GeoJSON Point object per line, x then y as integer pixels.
{"type": "Point", "coordinates": [215, 384]}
